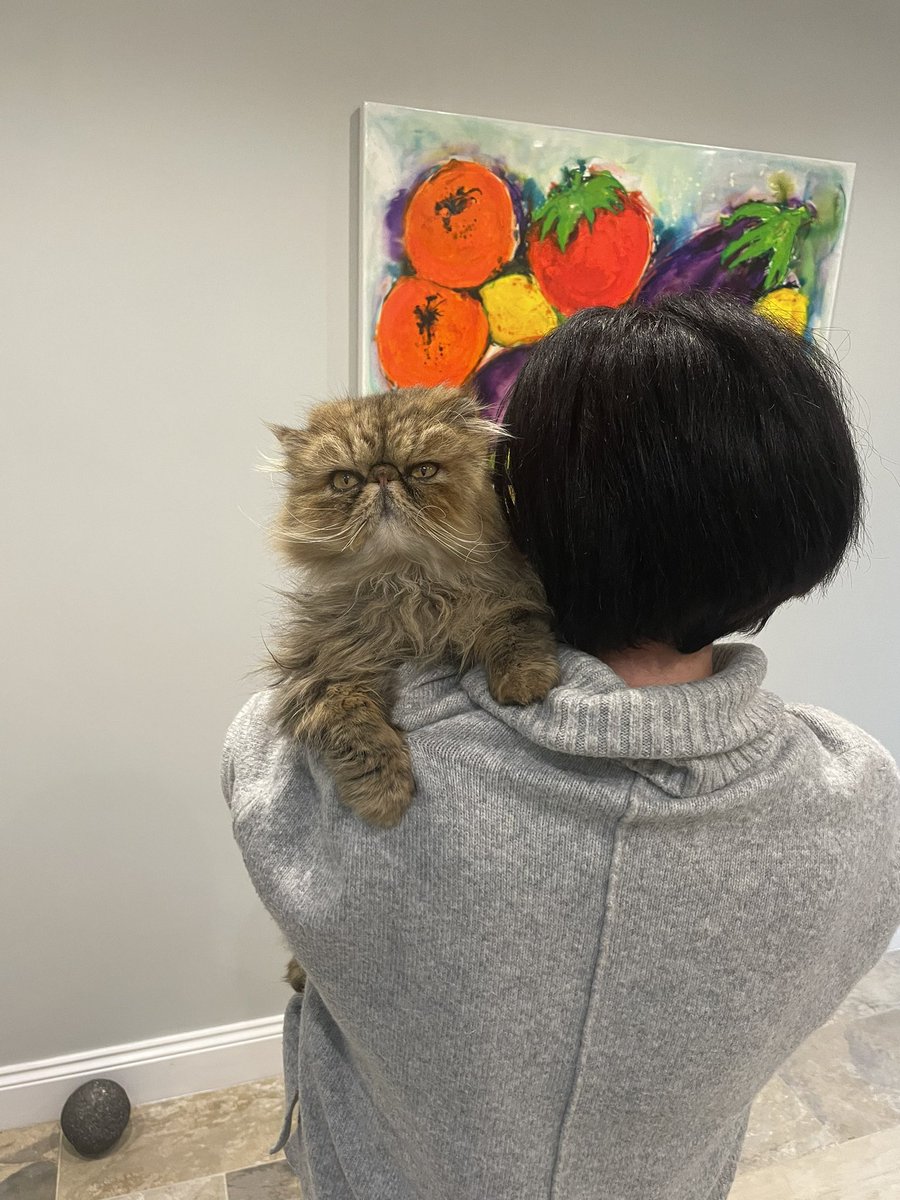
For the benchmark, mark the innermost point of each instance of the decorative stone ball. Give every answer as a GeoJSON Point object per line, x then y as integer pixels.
{"type": "Point", "coordinates": [95, 1116]}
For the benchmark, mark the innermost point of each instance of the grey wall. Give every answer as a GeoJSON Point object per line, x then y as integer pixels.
{"type": "Point", "coordinates": [175, 220]}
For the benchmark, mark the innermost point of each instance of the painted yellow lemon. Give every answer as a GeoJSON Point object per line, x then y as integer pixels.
{"type": "Point", "coordinates": [785, 306]}
{"type": "Point", "coordinates": [517, 311]}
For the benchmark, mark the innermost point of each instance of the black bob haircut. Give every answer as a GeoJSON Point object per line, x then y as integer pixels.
{"type": "Point", "coordinates": [676, 471]}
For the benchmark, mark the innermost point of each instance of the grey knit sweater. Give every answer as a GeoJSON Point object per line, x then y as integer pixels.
{"type": "Point", "coordinates": [603, 924]}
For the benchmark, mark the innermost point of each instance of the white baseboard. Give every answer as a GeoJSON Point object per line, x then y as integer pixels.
{"type": "Point", "coordinates": [157, 1069]}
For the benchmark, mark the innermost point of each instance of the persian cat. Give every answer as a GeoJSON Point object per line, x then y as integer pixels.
{"type": "Point", "coordinates": [391, 516]}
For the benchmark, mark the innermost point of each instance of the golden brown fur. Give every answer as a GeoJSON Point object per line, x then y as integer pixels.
{"type": "Point", "coordinates": [409, 568]}
{"type": "Point", "coordinates": [396, 567]}
{"type": "Point", "coordinates": [397, 564]}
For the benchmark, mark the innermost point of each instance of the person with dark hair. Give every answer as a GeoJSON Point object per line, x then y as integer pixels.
{"type": "Point", "coordinates": [702, 467]}
{"type": "Point", "coordinates": [606, 919]}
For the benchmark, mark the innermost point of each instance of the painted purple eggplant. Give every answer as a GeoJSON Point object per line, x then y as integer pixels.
{"type": "Point", "coordinates": [748, 253]}
{"type": "Point", "coordinates": [494, 380]}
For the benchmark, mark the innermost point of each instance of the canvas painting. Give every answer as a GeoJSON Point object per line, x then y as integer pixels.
{"type": "Point", "coordinates": [479, 236]}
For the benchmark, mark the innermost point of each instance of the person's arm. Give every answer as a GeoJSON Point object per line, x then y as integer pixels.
{"type": "Point", "coordinates": [243, 732]}
{"type": "Point", "coordinates": [259, 763]}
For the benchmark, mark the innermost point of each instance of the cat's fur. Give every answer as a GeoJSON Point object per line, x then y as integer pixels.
{"type": "Point", "coordinates": [402, 568]}
{"type": "Point", "coordinates": [402, 564]}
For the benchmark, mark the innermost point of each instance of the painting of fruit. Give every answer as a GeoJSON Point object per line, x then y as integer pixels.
{"type": "Point", "coordinates": [495, 377]}
{"type": "Point", "coordinates": [429, 334]}
{"type": "Point", "coordinates": [517, 310]}
{"type": "Point", "coordinates": [786, 306]}
{"type": "Point", "coordinates": [746, 253]}
{"type": "Point", "coordinates": [478, 237]}
{"type": "Point", "coordinates": [459, 227]}
{"type": "Point", "coordinates": [590, 241]}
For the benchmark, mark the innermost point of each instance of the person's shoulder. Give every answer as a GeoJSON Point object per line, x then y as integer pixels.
{"type": "Point", "coordinates": [850, 751]}
{"type": "Point", "coordinates": [253, 724]}
{"type": "Point", "coordinates": [428, 697]}
{"type": "Point", "coordinates": [252, 743]}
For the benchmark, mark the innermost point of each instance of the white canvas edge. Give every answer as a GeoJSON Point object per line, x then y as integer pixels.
{"type": "Point", "coordinates": [824, 326]}
{"type": "Point", "coordinates": [363, 349]}
{"type": "Point", "coordinates": [372, 105]}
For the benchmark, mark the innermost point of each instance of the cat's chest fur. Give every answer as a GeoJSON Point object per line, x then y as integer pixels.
{"type": "Point", "coordinates": [409, 612]}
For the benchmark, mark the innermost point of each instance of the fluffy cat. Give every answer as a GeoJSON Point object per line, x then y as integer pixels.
{"type": "Point", "coordinates": [390, 513]}
{"type": "Point", "coordinates": [391, 516]}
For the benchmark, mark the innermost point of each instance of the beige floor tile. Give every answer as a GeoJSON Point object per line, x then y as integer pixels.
{"type": "Point", "coordinates": [781, 1126]}
{"type": "Point", "coordinates": [212, 1188]}
{"type": "Point", "coordinates": [874, 1046]}
{"type": "Point", "coordinates": [880, 989]}
{"type": "Point", "coordinates": [31, 1144]}
{"type": "Point", "coordinates": [36, 1181]}
{"type": "Point", "coordinates": [853, 1008]}
{"type": "Point", "coordinates": [177, 1140]}
{"type": "Point", "coordinates": [867, 1168]}
{"type": "Point", "coordinates": [837, 1076]}
{"type": "Point", "coordinates": [877, 991]}
{"type": "Point", "coordinates": [770, 1183]}
{"type": "Point", "coordinates": [28, 1158]}
{"type": "Point", "coordinates": [274, 1181]}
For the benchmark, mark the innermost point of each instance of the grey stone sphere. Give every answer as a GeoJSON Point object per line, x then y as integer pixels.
{"type": "Point", "coordinates": [95, 1116]}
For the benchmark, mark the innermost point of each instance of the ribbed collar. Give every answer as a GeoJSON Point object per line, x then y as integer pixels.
{"type": "Point", "coordinates": [688, 737]}
{"type": "Point", "coordinates": [593, 713]}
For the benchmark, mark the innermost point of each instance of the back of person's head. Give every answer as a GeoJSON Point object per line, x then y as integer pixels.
{"type": "Point", "coordinates": [677, 471]}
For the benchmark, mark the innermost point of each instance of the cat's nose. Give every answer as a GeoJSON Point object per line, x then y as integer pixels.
{"type": "Point", "coordinates": [384, 474]}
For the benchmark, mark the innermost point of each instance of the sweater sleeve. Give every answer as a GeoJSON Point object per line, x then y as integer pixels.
{"type": "Point", "coordinates": [247, 744]}
{"type": "Point", "coordinates": [847, 741]}
{"type": "Point", "coordinates": [864, 771]}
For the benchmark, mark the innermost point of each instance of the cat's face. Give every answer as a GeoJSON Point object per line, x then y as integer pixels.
{"type": "Point", "coordinates": [388, 479]}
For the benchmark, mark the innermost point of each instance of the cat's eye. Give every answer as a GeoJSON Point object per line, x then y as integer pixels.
{"type": "Point", "coordinates": [425, 470]}
{"type": "Point", "coordinates": [345, 481]}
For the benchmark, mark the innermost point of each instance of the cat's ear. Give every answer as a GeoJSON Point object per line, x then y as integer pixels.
{"type": "Point", "coordinates": [465, 410]}
{"type": "Point", "coordinates": [459, 406]}
{"type": "Point", "coordinates": [291, 439]}
{"type": "Point", "coordinates": [463, 405]}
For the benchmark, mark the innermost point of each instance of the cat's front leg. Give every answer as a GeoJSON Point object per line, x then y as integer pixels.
{"type": "Point", "coordinates": [519, 655]}
{"type": "Point", "coordinates": [369, 760]}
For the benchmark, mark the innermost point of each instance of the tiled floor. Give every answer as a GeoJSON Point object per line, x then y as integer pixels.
{"type": "Point", "coordinates": [827, 1127]}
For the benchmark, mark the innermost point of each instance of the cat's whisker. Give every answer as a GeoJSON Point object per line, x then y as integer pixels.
{"type": "Point", "coordinates": [269, 465]}
{"type": "Point", "coordinates": [325, 531]}
{"type": "Point", "coordinates": [313, 539]}
{"type": "Point", "coordinates": [469, 553]}
{"type": "Point", "coordinates": [302, 538]}
{"type": "Point", "coordinates": [342, 538]}
{"type": "Point", "coordinates": [458, 536]}
{"type": "Point", "coordinates": [453, 534]}
{"type": "Point", "coordinates": [252, 520]}
{"type": "Point", "coordinates": [359, 528]}
{"type": "Point", "coordinates": [465, 548]}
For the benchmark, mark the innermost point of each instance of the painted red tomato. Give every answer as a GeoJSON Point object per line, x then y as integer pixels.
{"type": "Point", "coordinates": [590, 241]}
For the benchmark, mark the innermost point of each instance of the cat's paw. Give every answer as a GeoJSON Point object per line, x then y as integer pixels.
{"type": "Point", "coordinates": [382, 795]}
{"type": "Point", "coordinates": [524, 683]}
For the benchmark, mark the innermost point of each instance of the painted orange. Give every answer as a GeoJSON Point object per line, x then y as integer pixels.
{"type": "Point", "coordinates": [428, 334]}
{"type": "Point", "coordinates": [460, 227]}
